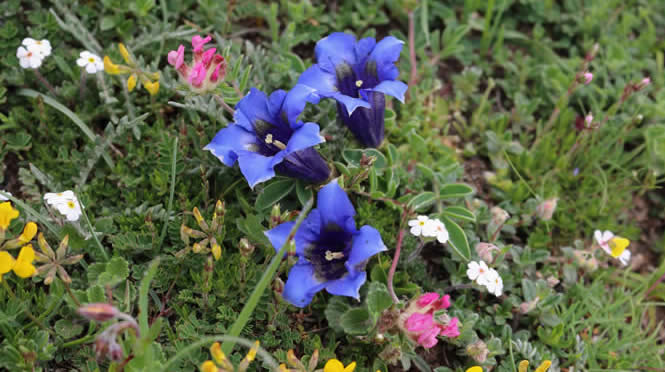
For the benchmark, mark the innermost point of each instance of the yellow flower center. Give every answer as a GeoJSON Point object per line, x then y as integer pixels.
{"type": "Point", "coordinates": [91, 59]}
{"type": "Point", "coordinates": [71, 205]}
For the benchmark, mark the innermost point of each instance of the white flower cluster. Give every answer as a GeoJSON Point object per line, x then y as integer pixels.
{"type": "Point", "coordinates": [66, 203]}
{"type": "Point", "coordinates": [485, 276]}
{"type": "Point", "coordinates": [32, 52]}
{"type": "Point", "coordinates": [429, 228]}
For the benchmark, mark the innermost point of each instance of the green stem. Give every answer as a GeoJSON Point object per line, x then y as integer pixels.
{"type": "Point", "coordinates": [267, 277]}
{"type": "Point", "coordinates": [174, 158]}
{"type": "Point", "coordinates": [226, 339]}
{"type": "Point", "coordinates": [143, 297]}
{"type": "Point", "coordinates": [83, 339]}
{"type": "Point", "coordinates": [92, 231]}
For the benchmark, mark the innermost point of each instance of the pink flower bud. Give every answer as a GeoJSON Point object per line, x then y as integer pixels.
{"type": "Point", "coordinates": [646, 81]}
{"type": "Point", "coordinates": [418, 322]}
{"type": "Point", "coordinates": [427, 299]}
{"type": "Point", "coordinates": [198, 42]}
{"type": "Point", "coordinates": [587, 78]}
{"type": "Point", "coordinates": [546, 209]}
{"type": "Point", "coordinates": [428, 338]}
{"type": "Point", "coordinates": [220, 69]}
{"type": "Point", "coordinates": [100, 312]}
{"type": "Point", "coordinates": [197, 75]}
{"type": "Point", "coordinates": [442, 303]}
{"type": "Point", "coordinates": [451, 330]}
{"type": "Point", "coordinates": [486, 251]}
{"type": "Point", "coordinates": [177, 58]}
{"type": "Point", "coordinates": [207, 56]}
{"type": "Point", "coordinates": [588, 120]}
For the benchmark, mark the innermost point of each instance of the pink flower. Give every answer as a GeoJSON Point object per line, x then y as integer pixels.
{"type": "Point", "coordinates": [428, 338]}
{"type": "Point", "coordinates": [443, 303]}
{"type": "Point", "coordinates": [197, 75]}
{"type": "Point", "coordinates": [198, 42]}
{"type": "Point", "coordinates": [588, 120]}
{"type": "Point", "coordinates": [207, 56]}
{"type": "Point", "coordinates": [587, 78]}
{"type": "Point", "coordinates": [451, 329]}
{"type": "Point", "coordinates": [646, 81]}
{"type": "Point", "coordinates": [177, 58]}
{"type": "Point", "coordinates": [427, 299]}
{"type": "Point", "coordinates": [419, 322]}
{"type": "Point", "coordinates": [220, 68]}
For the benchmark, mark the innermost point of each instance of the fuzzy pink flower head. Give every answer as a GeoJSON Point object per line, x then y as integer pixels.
{"type": "Point", "coordinates": [177, 58]}
{"type": "Point", "coordinates": [427, 299]}
{"type": "Point", "coordinates": [418, 322]}
{"type": "Point", "coordinates": [646, 81]}
{"type": "Point", "coordinates": [220, 68]}
{"type": "Point", "coordinates": [199, 42]}
{"type": "Point", "coordinates": [428, 338]}
{"type": "Point", "coordinates": [451, 330]}
{"type": "Point", "coordinates": [587, 78]}
{"type": "Point", "coordinates": [198, 74]}
{"type": "Point", "coordinates": [588, 120]}
{"type": "Point", "coordinates": [207, 56]}
{"type": "Point", "coordinates": [442, 303]}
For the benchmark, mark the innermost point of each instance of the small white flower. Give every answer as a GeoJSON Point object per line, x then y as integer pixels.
{"type": "Point", "coordinates": [41, 47]}
{"type": "Point", "coordinates": [28, 58]}
{"type": "Point", "coordinates": [494, 283]}
{"type": "Point", "coordinates": [477, 271]}
{"type": "Point", "coordinates": [440, 231]}
{"type": "Point", "coordinates": [71, 209]}
{"type": "Point", "coordinates": [625, 257]}
{"type": "Point", "coordinates": [59, 197]}
{"type": "Point", "coordinates": [91, 62]}
{"type": "Point", "coordinates": [2, 198]}
{"type": "Point", "coordinates": [603, 239]}
{"type": "Point", "coordinates": [418, 225]}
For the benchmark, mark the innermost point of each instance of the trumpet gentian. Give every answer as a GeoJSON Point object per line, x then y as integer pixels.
{"type": "Point", "coordinates": [267, 137]}
{"type": "Point", "coordinates": [357, 74]}
{"type": "Point", "coordinates": [331, 252]}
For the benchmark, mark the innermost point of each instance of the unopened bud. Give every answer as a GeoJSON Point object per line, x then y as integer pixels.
{"type": "Point", "coordinates": [115, 352]}
{"type": "Point", "coordinates": [216, 251]}
{"type": "Point", "coordinates": [100, 312]}
{"type": "Point", "coordinates": [552, 281]}
{"type": "Point", "coordinates": [546, 209]}
{"type": "Point", "coordinates": [486, 251]}
{"type": "Point", "coordinates": [184, 236]}
{"type": "Point", "coordinates": [197, 248]}
{"type": "Point", "coordinates": [278, 286]}
{"type": "Point", "coordinates": [62, 248]}
{"type": "Point", "coordinates": [199, 219]}
{"type": "Point", "coordinates": [29, 232]}
{"type": "Point", "coordinates": [587, 78]}
{"type": "Point", "coordinates": [527, 306]}
{"type": "Point", "coordinates": [313, 360]}
{"type": "Point", "coordinates": [499, 215]}
{"type": "Point", "coordinates": [588, 120]}
{"type": "Point", "coordinates": [246, 248]}
{"type": "Point", "coordinates": [478, 351]}
{"type": "Point", "coordinates": [275, 216]}
{"type": "Point", "coordinates": [294, 361]}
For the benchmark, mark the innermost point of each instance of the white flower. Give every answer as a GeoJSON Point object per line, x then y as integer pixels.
{"type": "Point", "coordinates": [28, 58]}
{"type": "Point", "coordinates": [418, 225]}
{"type": "Point", "coordinates": [41, 47]}
{"type": "Point", "coordinates": [477, 271]}
{"type": "Point", "coordinates": [59, 197]}
{"type": "Point", "coordinates": [494, 283]}
{"type": "Point", "coordinates": [2, 198]}
{"type": "Point", "coordinates": [70, 209]}
{"type": "Point", "coordinates": [603, 239]}
{"type": "Point", "coordinates": [440, 231]}
{"type": "Point", "coordinates": [625, 257]}
{"type": "Point", "coordinates": [92, 62]}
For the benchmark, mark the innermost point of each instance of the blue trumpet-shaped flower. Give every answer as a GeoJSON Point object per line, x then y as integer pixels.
{"type": "Point", "coordinates": [358, 75]}
{"type": "Point", "coordinates": [267, 137]}
{"type": "Point", "coordinates": [331, 252]}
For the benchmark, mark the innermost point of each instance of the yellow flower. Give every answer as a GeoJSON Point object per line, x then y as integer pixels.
{"type": "Point", "coordinates": [7, 214]}
{"type": "Point", "coordinates": [23, 266]}
{"type": "Point", "coordinates": [218, 354]}
{"type": "Point", "coordinates": [618, 245]}
{"type": "Point", "coordinates": [251, 354]}
{"type": "Point", "coordinates": [522, 367]}
{"type": "Point", "coordinates": [113, 69]}
{"type": "Point", "coordinates": [216, 251]}
{"type": "Point", "coordinates": [475, 369]}
{"type": "Point", "coordinates": [131, 82]}
{"type": "Point", "coordinates": [125, 53]}
{"type": "Point", "coordinates": [208, 366]}
{"type": "Point", "coordinates": [29, 232]}
{"type": "Point", "coordinates": [151, 87]}
{"type": "Point", "coordinates": [334, 365]}
{"type": "Point", "coordinates": [6, 263]}
{"type": "Point", "coordinates": [544, 366]}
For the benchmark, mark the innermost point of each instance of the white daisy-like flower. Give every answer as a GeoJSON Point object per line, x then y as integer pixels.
{"type": "Point", "coordinates": [418, 225]}
{"type": "Point", "coordinates": [603, 239]}
{"type": "Point", "coordinates": [494, 283]}
{"type": "Point", "coordinates": [71, 209]}
{"type": "Point", "coordinates": [53, 198]}
{"type": "Point", "coordinates": [477, 271]}
{"type": "Point", "coordinates": [440, 231]}
{"type": "Point", "coordinates": [41, 47]}
{"type": "Point", "coordinates": [28, 58]}
{"type": "Point", "coordinates": [2, 198]}
{"type": "Point", "coordinates": [90, 61]}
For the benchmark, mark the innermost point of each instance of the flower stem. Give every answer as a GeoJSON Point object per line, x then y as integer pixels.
{"type": "Point", "coordinates": [267, 277]}
{"type": "Point", "coordinates": [398, 251]}
{"type": "Point", "coordinates": [71, 294]}
{"type": "Point", "coordinates": [174, 157]}
{"type": "Point", "coordinates": [413, 78]}
{"type": "Point", "coordinates": [92, 231]}
{"type": "Point", "coordinates": [82, 85]}
{"type": "Point", "coordinates": [45, 82]}
{"type": "Point", "coordinates": [226, 107]}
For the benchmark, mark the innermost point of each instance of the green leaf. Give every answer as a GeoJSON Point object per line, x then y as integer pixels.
{"type": "Point", "coordinates": [460, 212]}
{"type": "Point", "coordinates": [378, 298]}
{"type": "Point", "coordinates": [107, 23]}
{"type": "Point", "coordinates": [356, 321]}
{"type": "Point", "coordinates": [457, 238]}
{"type": "Point", "coordinates": [273, 193]}
{"type": "Point", "coordinates": [304, 193]}
{"type": "Point", "coordinates": [455, 190]}
{"type": "Point", "coordinates": [66, 329]}
{"type": "Point", "coordinates": [353, 156]}
{"type": "Point", "coordinates": [337, 306]}
{"type": "Point", "coordinates": [422, 201]}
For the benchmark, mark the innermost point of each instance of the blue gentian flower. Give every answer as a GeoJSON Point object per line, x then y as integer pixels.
{"type": "Point", "coordinates": [357, 74]}
{"type": "Point", "coordinates": [331, 252]}
{"type": "Point", "coordinates": [267, 137]}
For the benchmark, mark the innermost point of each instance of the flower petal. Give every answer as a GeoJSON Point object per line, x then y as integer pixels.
{"type": "Point", "coordinates": [252, 107]}
{"type": "Point", "coordinates": [308, 232]}
{"type": "Point", "coordinates": [304, 137]}
{"type": "Point", "coordinates": [385, 54]}
{"type": "Point", "coordinates": [256, 168]}
{"type": "Point", "coordinates": [279, 234]}
{"type": "Point", "coordinates": [6, 262]}
{"type": "Point", "coordinates": [295, 102]}
{"type": "Point", "coordinates": [393, 88]}
{"type": "Point", "coordinates": [301, 285]}
{"type": "Point", "coordinates": [230, 142]}
{"type": "Point", "coordinates": [23, 266]}
{"type": "Point", "coordinates": [334, 49]}
{"type": "Point", "coordinates": [349, 285]}
{"type": "Point", "coordinates": [366, 244]}
{"type": "Point", "coordinates": [335, 206]}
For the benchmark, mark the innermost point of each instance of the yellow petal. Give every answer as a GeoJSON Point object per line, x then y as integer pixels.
{"type": "Point", "coordinates": [151, 87]}
{"type": "Point", "coordinates": [217, 353]}
{"type": "Point", "coordinates": [475, 369]}
{"type": "Point", "coordinates": [523, 366]}
{"type": "Point", "coordinates": [208, 366]}
{"type": "Point", "coordinates": [544, 366]}
{"type": "Point", "coordinates": [6, 262]}
{"type": "Point", "coordinates": [618, 245]}
{"type": "Point", "coordinates": [131, 82]}
{"type": "Point", "coordinates": [29, 232]}
{"type": "Point", "coordinates": [251, 354]}
{"type": "Point", "coordinates": [23, 266]}
{"type": "Point", "coordinates": [125, 53]}
{"type": "Point", "coordinates": [7, 214]}
{"type": "Point", "coordinates": [216, 251]}
{"type": "Point", "coordinates": [333, 365]}
{"type": "Point", "coordinates": [350, 367]}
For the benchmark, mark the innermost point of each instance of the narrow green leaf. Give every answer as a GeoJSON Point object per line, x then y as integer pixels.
{"type": "Point", "coordinates": [273, 193]}
{"type": "Point", "coordinates": [455, 190]}
{"type": "Point", "coordinates": [422, 201]}
{"type": "Point", "coordinates": [460, 212]}
{"type": "Point", "coordinates": [457, 238]}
